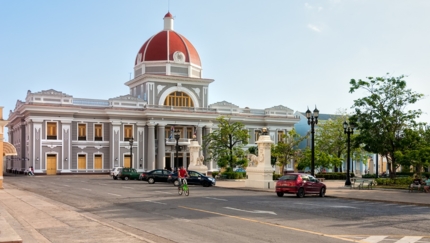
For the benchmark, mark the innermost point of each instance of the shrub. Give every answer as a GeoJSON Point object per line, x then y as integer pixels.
{"type": "Point", "coordinates": [276, 176]}
{"type": "Point", "coordinates": [333, 175]}
{"type": "Point", "coordinates": [214, 174]}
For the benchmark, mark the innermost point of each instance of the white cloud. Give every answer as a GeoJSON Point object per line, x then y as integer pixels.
{"type": "Point", "coordinates": [314, 28]}
{"type": "Point", "coordinates": [307, 5]}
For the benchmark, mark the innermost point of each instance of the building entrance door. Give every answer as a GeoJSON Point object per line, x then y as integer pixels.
{"type": "Point", "coordinates": [98, 162]}
{"type": "Point", "coordinates": [127, 161]}
{"type": "Point", "coordinates": [51, 164]}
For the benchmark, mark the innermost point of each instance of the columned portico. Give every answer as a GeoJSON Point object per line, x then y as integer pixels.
{"type": "Point", "coordinates": [161, 152]}
{"type": "Point", "coordinates": [151, 146]}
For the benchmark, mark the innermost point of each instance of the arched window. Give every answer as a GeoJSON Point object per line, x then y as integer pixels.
{"type": "Point", "coordinates": [179, 99]}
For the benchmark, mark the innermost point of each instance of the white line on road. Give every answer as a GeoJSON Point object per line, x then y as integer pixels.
{"type": "Point", "coordinates": [127, 187]}
{"type": "Point", "coordinates": [255, 211]}
{"type": "Point", "coordinates": [374, 239]}
{"type": "Point", "coordinates": [102, 184]}
{"type": "Point", "coordinates": [66, 185]}
{"type": "Point", "coordinates": [164, 192]}
{"type": "Point", "coordinates": [409, 239]}
{"type": "Point", "coordinates": [340, 206]}
{"type": "Point", "coordinates": [86, 189]}
{"type": "Point", "coordinates": [219, 199]}
{"type": "Point", "coordinates": [154, 202]}
{"type": "Point", "coordinates": [114, 194]}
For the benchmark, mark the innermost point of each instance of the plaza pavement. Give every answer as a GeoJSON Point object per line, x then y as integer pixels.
{"type": "Point", "coordinates": [28, 217]}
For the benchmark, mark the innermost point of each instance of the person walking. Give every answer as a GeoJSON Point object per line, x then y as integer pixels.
{"type": "Point", "coordinates": [427, 186]}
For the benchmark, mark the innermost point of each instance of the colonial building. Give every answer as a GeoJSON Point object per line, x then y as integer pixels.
{"type": "Point", "coordinates": [59, 133]}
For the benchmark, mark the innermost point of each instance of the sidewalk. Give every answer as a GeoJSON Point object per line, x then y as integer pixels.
{"type": "Point", "coordinates": [28, 217]}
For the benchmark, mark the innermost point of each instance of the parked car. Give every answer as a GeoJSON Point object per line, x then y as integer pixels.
{"type": "Point", "coordinates": [155, 176]}
{"type": "Point", "coordinates": [195, 178]}
{"type": "Point", "coordinates": [299, 184]}
{"type": "Point", "coordinates": [128, 174]}
{"type": "Point", "coordinates": [240, 170]}
{"type": "Point", "coordinates": [114, 172]}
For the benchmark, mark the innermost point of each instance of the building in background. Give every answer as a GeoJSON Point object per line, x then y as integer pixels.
{"type": "Point", "coordinates": [59, 133]}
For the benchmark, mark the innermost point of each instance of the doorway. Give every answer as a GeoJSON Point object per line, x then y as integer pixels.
{"type": "Point", "coordinates": [51, 164]}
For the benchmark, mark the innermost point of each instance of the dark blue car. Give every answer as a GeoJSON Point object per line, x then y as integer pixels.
{"type": "Point", "coordinates": [195, 178]}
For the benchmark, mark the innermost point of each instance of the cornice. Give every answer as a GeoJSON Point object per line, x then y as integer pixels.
{"type": "Point", "coordinates": [173, 79]}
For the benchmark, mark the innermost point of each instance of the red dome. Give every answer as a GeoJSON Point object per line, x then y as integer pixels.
{"type": "Point", "coordinates": [168, 14]}
{"type": "Point", "coordinates": [163, 45]}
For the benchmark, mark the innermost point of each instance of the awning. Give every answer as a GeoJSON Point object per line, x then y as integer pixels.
{"type": "Point", "coordinates": [8, 149]}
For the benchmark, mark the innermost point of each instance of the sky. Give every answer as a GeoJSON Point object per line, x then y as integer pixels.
{"type": "Point", "coordinates": [260, 53]}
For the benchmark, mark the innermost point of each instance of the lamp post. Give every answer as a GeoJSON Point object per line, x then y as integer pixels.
{"type": "Point", "coordinates": [131, 151]}
{"type": "Point", "coordinates": [312, 120]}
{"type": "Point", "coordinates": [177, 136]}
{"type": "Point", "coordinates": [348, 129]}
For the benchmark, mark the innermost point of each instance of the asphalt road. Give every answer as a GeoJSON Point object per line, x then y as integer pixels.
{"type": "Point", "coordinates": [226, 215]}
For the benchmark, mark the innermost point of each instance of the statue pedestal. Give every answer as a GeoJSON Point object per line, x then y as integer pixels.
{"type": "Point", "coordinates": [261, 176]}
{"type": "Point", "coordinates": [196, 161]}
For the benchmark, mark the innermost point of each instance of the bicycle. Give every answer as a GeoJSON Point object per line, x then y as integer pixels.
{"type": "Point", "coordinates": [183, 188]}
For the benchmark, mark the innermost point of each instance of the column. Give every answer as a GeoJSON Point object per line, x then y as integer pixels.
{"type": "Point", "coordinates": [208, 130]}
{"type": "Point", "coordinates": [66, 151]}
{"type": "Point", "coordinates": [161, 155]}
{"type": "Point", "coordinates": [114, 143]}
{"type": "Point", "coordinates": [151, 146]}
{"type": "Point", "coordinates": [199, 135]}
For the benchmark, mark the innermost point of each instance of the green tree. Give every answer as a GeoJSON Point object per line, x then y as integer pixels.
{"type": "Point", "coordinates": [382, 115]}
{"type": "Point", "coordinates": [287, 148]}
{"type": "Point", "coordinates": [225, 144]}
{"type": "Point", "coordinates": [322, 160]}
{"type": "Point", "coordinates": [416, 149]}
{"type": "Point", "coordinates": [330, 137]}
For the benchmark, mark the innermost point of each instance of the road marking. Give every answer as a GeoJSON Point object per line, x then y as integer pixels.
{"type": "Point", "coordinates": [127, 187]}
{"type": "Point", "coordinates": [102, 184]}
{"type": "Point", "coordinates": [164, 192]}
{"type": "Point", "coordinates": [114, 194]}
{"type": "Point", "coordinates": [219, 199]}
{"type": "Point", "coordinates": [374, 238]}
{"type": "Point", "coordinates": [255, 211]}
{"type": "Point", "coordinates": [155, 202]}
{"type": "Point", "coordinates": [273, 225]}
{"type": "Point", "coordinates": [342, 206]}
{"type": "Point", "coordinates": [409, 239]}
{"type": "Point", "coordinates": [66, 185]}
{"type": "Point", "coordinates": [86, 189]}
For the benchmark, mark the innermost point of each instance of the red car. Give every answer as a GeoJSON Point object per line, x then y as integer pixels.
{"type": "Point", "coordinates": [299, 184]}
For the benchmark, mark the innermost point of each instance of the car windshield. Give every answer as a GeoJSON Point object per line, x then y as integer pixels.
{"type": "Point", "coordinates": [288, 178]}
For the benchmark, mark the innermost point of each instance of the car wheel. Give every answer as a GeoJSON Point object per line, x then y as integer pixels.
{"type": "Point", "coordinates": [301, 192]}
{"type": "Point", "coordinates": [115, 178]}
{"type": "Point", "coordinates": [176, 183]}
{"type": "Point", "coordinates": [206, 184]}
{"type": "Point", "coordinates": [126, 178]}
{"type": "Point", "coordinates": [322, 192]}
{"type": "Point", "coordinates": [280, 194]}
{"type": "Point", "coordinates": [151, 181]}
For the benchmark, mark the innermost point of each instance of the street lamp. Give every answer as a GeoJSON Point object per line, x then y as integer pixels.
{"type": "Point", "coordinates": [177, 136]}
{"type": "Point", "coordinates": [312, 120]}
{"type": "Point", "coordinates": [348, 129]}
{"type": "Point", "coordinates": [131, 151]}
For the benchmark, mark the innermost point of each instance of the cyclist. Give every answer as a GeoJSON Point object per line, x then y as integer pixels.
{"type": "Point", "coordinates": [182, 174]}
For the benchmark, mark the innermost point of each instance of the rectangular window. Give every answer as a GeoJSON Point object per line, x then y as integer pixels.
{"type": "Point", "coordinates": [128, 132]}
{"type": "Point", "coordinates": [256, 135]}
{"type": "Point", "coordinates": [98, 135]}
{"type": "Point", "coordinates": [189, 132]}
{"type": "Point", "coordinates": [280, 136]}
{"type": "Point", "coordinates": [51, 130]}
{"type": "Point", "coordinates": [82, 132]}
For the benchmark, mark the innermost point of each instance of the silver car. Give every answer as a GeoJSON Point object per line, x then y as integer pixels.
{"type": "Point", "coordinates": [114, 172]}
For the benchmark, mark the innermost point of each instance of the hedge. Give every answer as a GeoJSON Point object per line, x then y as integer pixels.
{"type": "Point", "coordinates": [333, 175]}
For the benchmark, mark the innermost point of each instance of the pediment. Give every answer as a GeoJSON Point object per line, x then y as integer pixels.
{"type": "Point", "coordinates": [223, 104]}
{"type": "Point", "coordinates": [49, 92]}
{"type": "Point", "coordinates": [127, 97]}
